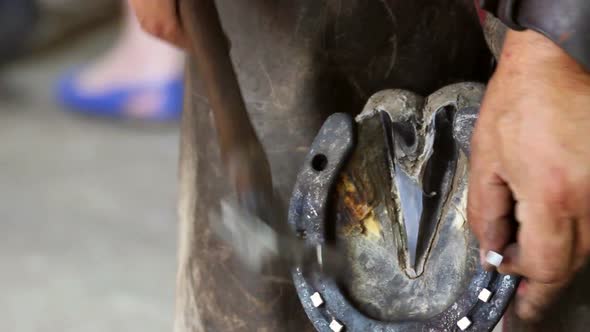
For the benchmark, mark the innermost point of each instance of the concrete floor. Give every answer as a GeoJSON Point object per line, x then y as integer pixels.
{"type": "Point", "coordinates": [87, 209]}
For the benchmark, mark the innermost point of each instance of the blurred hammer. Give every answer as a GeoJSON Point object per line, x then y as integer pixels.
{"type": "Point", "coordinates": [242, 154]}
{"type": "Point", "coordinates": [244, 225]}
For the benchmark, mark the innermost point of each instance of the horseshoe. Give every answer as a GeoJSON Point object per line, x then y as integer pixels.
{"type": "Point", "coordinates": [390, 189]}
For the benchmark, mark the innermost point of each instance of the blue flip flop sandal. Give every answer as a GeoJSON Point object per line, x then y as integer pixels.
{"type": "Point", "coordinates": [115, 103]}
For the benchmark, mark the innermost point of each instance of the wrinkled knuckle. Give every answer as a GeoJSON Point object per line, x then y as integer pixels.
{"type": "Point", "coordinates": [557, 191]}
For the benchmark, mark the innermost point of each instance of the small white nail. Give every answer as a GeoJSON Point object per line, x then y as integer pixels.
{"type": "Point", "coordinates": [318, 252]}
{"type": "Point", "coordinates": [464, 323]}
{"type": "Point", "coordinates": [484, 295]}
{"type": "Point", "coordinates": [336, 326]}
{"type": "Point", "coordinates": [494, 258]}
{"type": "Point", "coordinates": [316, 299]}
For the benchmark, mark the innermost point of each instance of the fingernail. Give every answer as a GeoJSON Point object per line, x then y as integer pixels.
{"type": "Point", "coordinates": [494, 258]}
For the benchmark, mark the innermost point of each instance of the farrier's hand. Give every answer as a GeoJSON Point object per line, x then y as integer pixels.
{"type": "Point", "coordinates": [531, 160]}
{"type": "Point", "coordinates": [160, 18]}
